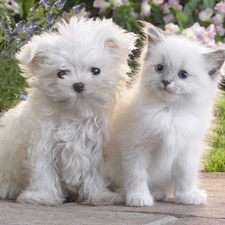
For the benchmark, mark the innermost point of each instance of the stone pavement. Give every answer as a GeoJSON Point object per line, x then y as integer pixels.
{"type": "Point", "coordinates": [162, 213]}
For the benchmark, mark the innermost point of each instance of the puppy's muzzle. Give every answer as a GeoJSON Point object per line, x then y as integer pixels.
{"type": "Point", "coordinates": [78, 87]}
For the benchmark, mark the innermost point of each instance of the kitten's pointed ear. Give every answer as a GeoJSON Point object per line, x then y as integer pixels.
{"type": "Point", "coordinates": [214, 60]}
{"type": "Point", "coordinates": [155, 35]}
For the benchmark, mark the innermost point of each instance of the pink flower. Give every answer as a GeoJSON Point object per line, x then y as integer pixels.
{"type": "Point", "coordinates": [174, 4]}
{"type": "Point", "coordinates": [220, 7]}
{"type": "Point", "coordinates": [171, 28]}
{"type": "Point", "coordinates": [118, 3]}
{"type": "Point", "coordinates": [145, 9]}
{"type": "Point", "coordinates": [220, 30]}
{"type": "Point", "coordinates": [211, 29]}
{"type": "Point", "coordinates": [205, 35]}
{"type": "Point", "coordinates": [165, 8]}
{"type": "Point", "coordinates": [168, 18]}
{"type": "Point", "coordinates": [206, 14]}
{"type": "Point", "coordinates": [157, 2]}
{"type": "Point", "coordinates": [102, 5]}
{"type": "Point", "coordinates": [221, 44]}
{"type": "Point", "coordinates": [217, 19]}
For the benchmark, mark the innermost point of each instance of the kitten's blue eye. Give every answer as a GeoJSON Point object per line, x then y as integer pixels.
{"type": "Point", "coordinates": [159, 68]}
{"type": "Point", "coordinates": [95, 71]}
{"type": "Point", "coordinates": [183, 74]}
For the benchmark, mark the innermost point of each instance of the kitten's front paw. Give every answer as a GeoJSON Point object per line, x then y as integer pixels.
{"type": "Point", "coordinates": [139, 200]}
{"type": "Point", "coordinates": [197, 197]}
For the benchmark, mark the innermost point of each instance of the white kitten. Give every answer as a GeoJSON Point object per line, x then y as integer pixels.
{"type": "Point", "coordinates": [157, 132]}
{"type": "Point", "coordinates": [51, 144]}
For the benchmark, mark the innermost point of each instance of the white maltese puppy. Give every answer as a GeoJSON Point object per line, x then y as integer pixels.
{"type": "Point", "coordinates": [51, 144]}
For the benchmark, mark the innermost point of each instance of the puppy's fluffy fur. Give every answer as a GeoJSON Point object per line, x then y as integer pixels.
{"type": "Point", "coordinates": [158, 130]}
{"type": "Point", "coordinates": [51, 144]}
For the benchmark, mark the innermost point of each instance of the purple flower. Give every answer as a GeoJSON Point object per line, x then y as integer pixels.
{"type": "Point", "coordinates": [45, 3]}
{"type": "Point", "coordinates": [34, 8]}
{"type": "Point", "coordinates": [165, 8]}
{"type": "Point", "coordinates": [60, 4]}
{"type": "Point", "coordinates": [174, 4]}
{"type": "Point", "coordinates": [20, 26]}
{"type": "Point", "coordinates": [217, 19]}
{"type": "Point", "coordinates": [211, 31]}
{"type": "Point", "coordinates": [20, 42]}
{"type": "Point", "coordinates": [79, 8]}
{"type": "Point", "coordinates": [206, 36]}
{"type": "Point", "coordinates": [158, 2]}
{"type": "Point", "coordinates": [220, 30]}
{"type": "Point", "coordinates": [102, 5]}
{"type": "Point", "coordinates": [22, 97]}
{"type": "Point", "coordinates": [168, 18]}
{"type": "Point", "coordinates": [205, 14]}
{"type": "Point", "coordinates": [171, 28]}
{"type": "Point", "coordinates": [30, 32]}
{"type": "Point", "coordinates": [221, 44]}
{"type": "Point", "coordinates": [220, 7]}
{"type": "Point", "coordinates": [50, 19]}
{"type": "Point", "coordinates": [145, 9]}
{"type": "Point", "coordinates": [8, 32]}
{"type": "Point", "coordinates": [117, 3]}
{"type": "Point", "coordinates": [193, 31]}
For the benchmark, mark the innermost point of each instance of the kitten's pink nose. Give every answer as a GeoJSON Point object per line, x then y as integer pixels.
{"type": "Point", "coordinates": [78, 87]}
{"type": "Point", "coordinates": [165, 82]}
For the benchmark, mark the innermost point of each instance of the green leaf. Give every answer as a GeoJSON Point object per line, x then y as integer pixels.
{"type": "Point", "coordinates": [21, 9]}
{"type": "Point", "coordinates": [208, 3]}
{"type": "Point", "coordinates": [28, 4]}
{"type": "Point", "coordinates": [190, 7]}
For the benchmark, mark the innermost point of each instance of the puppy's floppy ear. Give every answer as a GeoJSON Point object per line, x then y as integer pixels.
{"type": "Point", "coordinates": [32, 55]}
{"type": "Point", "coordinates": [214, 61]}
{"type": "Point", "coordinates": [122, 45]}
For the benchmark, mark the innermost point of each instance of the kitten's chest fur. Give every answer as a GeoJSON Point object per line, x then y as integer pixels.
{"type": "Point", "coordinates": [170, 127]}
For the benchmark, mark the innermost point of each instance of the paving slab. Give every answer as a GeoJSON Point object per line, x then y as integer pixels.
{"type": "Point", "coordinates": [161, 213]}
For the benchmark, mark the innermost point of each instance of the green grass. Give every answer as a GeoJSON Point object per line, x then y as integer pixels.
{"type": "Point", "coordinates": [215, 159]}
{"type": "Point", "coordinates": [12, 84]}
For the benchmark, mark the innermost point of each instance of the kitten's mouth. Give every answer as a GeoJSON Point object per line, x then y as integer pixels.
{"type": "Point", "coordinates": [165, 89]}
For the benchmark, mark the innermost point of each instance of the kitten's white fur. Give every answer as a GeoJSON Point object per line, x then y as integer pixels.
{"type": "Point", "coordinates": [51, 144]}
{"type": "Point", "coordinates": [157, 131]}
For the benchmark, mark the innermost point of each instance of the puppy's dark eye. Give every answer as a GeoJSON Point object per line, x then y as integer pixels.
{"type": "Point", "coordinates": [95, 71]}
{"type": "Point", "coordinates": [159, 68]}
{"type": "Point", "coordinates": [61, 74]}
{"type": "Point", "coordinates": [183, 74]}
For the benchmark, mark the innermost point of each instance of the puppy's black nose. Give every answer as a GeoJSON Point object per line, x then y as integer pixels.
{"type": "Point", "coordinates": [165, 82]}
{"type": "Point", "coordinates": [78, 87]}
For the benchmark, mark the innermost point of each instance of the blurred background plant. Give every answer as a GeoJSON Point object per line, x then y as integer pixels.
{"type": "Point", "coordinates": [201, 20]}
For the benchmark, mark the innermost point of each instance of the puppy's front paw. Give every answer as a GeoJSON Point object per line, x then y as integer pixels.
{"type": "Point", "coordinates": [139, 200]}
{"type": "Point", "coordinates": [197, 197]}
{"type": "Point", "coordinates": [106, 198]}
{"type": "Point", "coordinates": [38, 198]}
